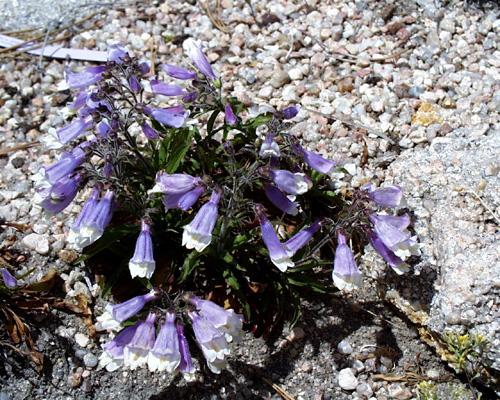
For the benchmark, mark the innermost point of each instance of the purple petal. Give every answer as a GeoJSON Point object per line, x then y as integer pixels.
{"type": "Point", "coordinates": [117, 53]}
{"type": "Point", "coordinates": [178, 72]}
{"type": "Point", "coordinates": [301, 238]}
{"type": "Point", "coordinates": [8, 279]}
{"type": "Point", "coordinates": [280, 200]}
{"type": "Point", "coordinates": [277, 251]}
{"type": "Point", "coordinates": [172, 116]}
{"type": "Point", "coordinates": [149, 131]}
{"type": "Point", "coordinates": [345, 273]}
{"type": "Point", "coordinates": [160, 88]}
{"type": "Point", "coordinates": [195, 53]}
{"type": "Point", "coordinates": [230, 116]}
{"type": "Point", "coordinates": [74, 129]}
{"type": "Point", "coordinates": [89, 76]}
{"type": "Point", "coordinates": [183, 201]}
{"type": "Point", "coordinates": [290, 112]}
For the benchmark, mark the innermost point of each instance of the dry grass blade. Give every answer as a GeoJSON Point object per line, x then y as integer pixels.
{"type": "Point", "coordinates": [215, 19]}
{"type": "Point", "coordinates": [23, 146]}
{"type": "Point", "coordinates": [282, 392]}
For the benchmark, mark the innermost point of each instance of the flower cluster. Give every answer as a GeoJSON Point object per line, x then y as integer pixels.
{"type": "Point", "coordinates": [166, 348]}
{"type": "Point", "coordinates": [246, 212]}
{"type": "Point", "coordinates": [388, 236]}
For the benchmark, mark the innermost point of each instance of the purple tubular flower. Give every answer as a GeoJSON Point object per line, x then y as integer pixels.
{"type": "Point", "coordinates": [277, 251]}
{"type": "Point", "coordinates": [79, 101]}
{"type": "Point", "coordinates": [89, 76]}
{"type": "Point", "coordinates": [224, 320]}
{"type": "Point", "coordinates": [103, 129]}
{"type": "Point", "coordinates": [117, 54]}
{"type": "Point", "coordinates": [134, 84]}
{"type": "Point", "coordinates": [389, 196]}
{"type": "Point", "coordinates": [346, 275]}
{"type": "Point", "coordinates": [66, 164]}
{"type": "Point", "coordinates": [87, 210]}
{"type": "Point", "coordinates": [269, 147]}
{"type": "Point", "coordinates": [143, 263]}
{"type": "Point", "coordinates": [301, 238]}
{"type": "Point", "coordinates": [165, 354]}
{"type": "Point", "coordinates": [8, 279]}
{"type": "Point", "coordinates": [183, 201]}
{"type": "Point", "coordinates": [212, 342]}
{"type": "Point", "coordinates": [186, 365]}
{"type": "Point", "coordinates": [149, 131]}
{"type": "Point", "coordinates": [290, 112]}
{"type": "Point", "coordinates": [178, 72]}
{"type": "Point", "coordinates": [112, 356]}
{"type": "Point", "coordinates": [315, 161]}
{"type": "Point", "coordinates": [280, 200]}
{"type": "Point", "coordinates": [165, 89]}
{"type": "Point", "coordinates": [291, 183]}
{"type": "Point", "coordinates": [144, 68]}
{"type": "Point", "coordinates": [136, 352]}
{"type": "Point", "coordinates": [190, 97]}
{"type": "Point", "coordinates": [198, 234]}
{"type": "Point", "coordinates": [171, 116]}
{"type": "Point", "coordinates": [74, 129]}
{"type": "Point", "coordinates": [92, 221]}
{"type": "Point", "coordinates": [61, 194]}
{"type": "Point", "coordinates": [195, 53]}
{"type": "Point", "coordinates": [114, 315]}
{"type": "Point", "coordinates": [391, 230]}
{"type": "Point", "coordinates": [398, 265]}
{"type": "Point", "coordinates": [174, 183]}
{"type": "Point", "coordinates": [107, 169]}
{"type": "Point", "coordinates": [230, 116]}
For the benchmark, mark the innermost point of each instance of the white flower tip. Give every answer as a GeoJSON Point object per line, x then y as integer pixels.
{"type": "Point", "coordinates": [283, 263]}
{"type": "Point", "coordinates": [401, 269]}
{"type": "Point", "coordinates": [142, 270]}
{"type": "Point", "coordinates": [347, 283]}
{"type": "Point", "coordinates": [192, 240]}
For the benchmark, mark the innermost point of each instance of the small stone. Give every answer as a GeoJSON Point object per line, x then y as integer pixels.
{"type": "Point", "coordinates": [265, 92]}
{"type": "Point", "coordinates": [75, 379]}
{"type": "Point", "coordinates": [296, 334]}
{"type": "Point", "coordinates": [90, 360]}
{"type": "Point", "coordinates": [363, 389]}
{"type": "Point", "coordinates": [433, 373]}
{"type": "Point", "coordinates": [81, 339]}
{"type": "Point", "coordinates": [18, 162]}
{"type": "Point", "coordinates": [67, 255]}
{"type": "Point", "coordinates": [347, 380]}
{"type": "Point", "coordinates": [344, 347]}
{"type": "Point", "coordinates": [447, 24]}
{"type": "Point", "coordinates": [396, 391]}
{"type": "Point", "coordinates": [36, 242]}
{"type": "Point", "coordinates": [427, 114]}
{"type": "Point", "coordinates": [295, 74]}
{"type": "Point", "coordinates": [279, 79]}
{"type": "Point", "coordinates": [387, 12]}
{"type": "Point", "coordinates": [345, 85]}
{"type": "Point", "coordinates": [358, 365]}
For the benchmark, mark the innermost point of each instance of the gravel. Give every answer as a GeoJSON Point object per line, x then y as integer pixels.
{"type": "Point", "coordinates": [403, 92]}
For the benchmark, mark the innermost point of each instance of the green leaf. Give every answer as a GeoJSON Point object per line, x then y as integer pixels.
{"type": "Point", "coordinates": [261, 119]}
{"type": "Point", "coordinates": [303, 281]}
{"type": "Point", "coordinates": [211, 122]}
{"type": "Point", "coordinates": [179, 146]}
{"type": "Point", "coordinates": [190, 263]}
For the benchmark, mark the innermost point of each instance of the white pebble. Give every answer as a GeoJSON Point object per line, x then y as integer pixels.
{"type": "Point", "coordinates": [39, 243]}
{"type": "Point", "coordinates": [347, 380]}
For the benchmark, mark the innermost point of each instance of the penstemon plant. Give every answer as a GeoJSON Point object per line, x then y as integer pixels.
{"type": "Point", "coordinates": [223, 207]}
